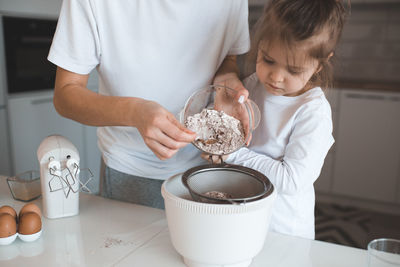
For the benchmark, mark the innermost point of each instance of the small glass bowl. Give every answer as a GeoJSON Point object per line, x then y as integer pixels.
{"type": "Point", "coordinates": [25, 186]}
{"type": "Point", "coordinates": [223, 98]}
{"type": "Point", "coordinates": [384, 252]}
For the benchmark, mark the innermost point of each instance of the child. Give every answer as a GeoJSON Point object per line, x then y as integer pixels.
{"type": "Point", "coordinates": [293, 43]}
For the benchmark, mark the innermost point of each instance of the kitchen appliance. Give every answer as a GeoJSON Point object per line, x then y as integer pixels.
{"type": "Point", "coordinates": [215, 235]}
{"type": "Point", "coordinates": [218, 214]}
{"type": "Point", "coordinates": [59, 175]}
{"type": "Point", "coordinates": [27, 44]}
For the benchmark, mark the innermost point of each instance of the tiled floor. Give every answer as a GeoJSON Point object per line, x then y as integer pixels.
{"type": "Point", "coordinates": [352, 226]}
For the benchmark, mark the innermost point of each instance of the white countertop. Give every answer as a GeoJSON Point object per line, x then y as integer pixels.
{"type": "Point", "coordinates": [112, 233]}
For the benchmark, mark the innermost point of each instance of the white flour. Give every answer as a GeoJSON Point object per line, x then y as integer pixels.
{"type": "Point", "coordinates": [217, 132]}
{"type": "Point", "coordinates": [217, 194]}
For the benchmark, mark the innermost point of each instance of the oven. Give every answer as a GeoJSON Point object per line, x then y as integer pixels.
{"type": "Point", "coordinates": [27, 43]}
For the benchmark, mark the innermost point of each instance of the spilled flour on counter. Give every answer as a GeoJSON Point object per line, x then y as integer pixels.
{"type": "Point", "coordinates": [111, 242]}
{"type": "Point", "coordinates": [217, 132]}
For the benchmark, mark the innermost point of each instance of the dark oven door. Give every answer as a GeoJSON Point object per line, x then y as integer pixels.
{"type": "Point", "coordinates": [27, 44]}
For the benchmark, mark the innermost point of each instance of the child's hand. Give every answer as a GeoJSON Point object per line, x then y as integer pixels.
{"type": "Point", "coordinates": [214, 158]}
{"type": "Point", "coordinates": [227, 101]}
{"type": "Point", "coordinates": [232, 81]}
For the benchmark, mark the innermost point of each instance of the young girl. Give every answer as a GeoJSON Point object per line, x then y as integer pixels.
{"type": "Point", "coordinates": [293, 43]}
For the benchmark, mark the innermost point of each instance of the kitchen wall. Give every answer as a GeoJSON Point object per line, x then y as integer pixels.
{"type": "Point", "coordinates": [370, 46]}
{"type": "Point", "coordinates": [31, 8]}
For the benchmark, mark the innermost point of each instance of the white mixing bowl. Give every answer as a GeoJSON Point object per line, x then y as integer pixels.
{"type": "Point", "coordinates": [214, 235]}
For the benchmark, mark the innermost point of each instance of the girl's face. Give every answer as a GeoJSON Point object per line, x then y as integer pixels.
{"type": "Point", "coordinates": [284, 73]}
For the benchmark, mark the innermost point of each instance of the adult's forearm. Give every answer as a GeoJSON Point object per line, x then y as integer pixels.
{"type": "Point", "coordinates": [160, 130]}
{"type": "Point", "coordinates": [78, 103]}
{"type": "Point", "coordinates": [74, 101]}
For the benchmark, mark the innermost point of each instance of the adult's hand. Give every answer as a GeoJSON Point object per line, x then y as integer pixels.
{"type": "Point", "coordinates": [161, 132]}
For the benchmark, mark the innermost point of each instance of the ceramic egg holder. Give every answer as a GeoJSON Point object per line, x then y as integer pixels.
{"type": "Point", "coordinates": [26, 238]}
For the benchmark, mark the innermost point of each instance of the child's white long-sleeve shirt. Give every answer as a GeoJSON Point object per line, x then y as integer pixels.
{"type": "Point", "coordinates": [289, 147]}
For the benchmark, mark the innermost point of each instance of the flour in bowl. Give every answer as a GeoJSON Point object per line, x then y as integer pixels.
{"type": "Point", "coordinates": [217, 132]}
{"type": "Point", "coordinates": [217, 194]}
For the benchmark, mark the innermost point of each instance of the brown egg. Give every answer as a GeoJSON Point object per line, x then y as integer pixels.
{"type": "Point", "coordinates": [29, 223]}
{"type": "Point", "coordinates": [8, 225]}
{"type": "Point", "coordinates": [9, 210]}
{"type": "Point", "coordinates": [30, 207]}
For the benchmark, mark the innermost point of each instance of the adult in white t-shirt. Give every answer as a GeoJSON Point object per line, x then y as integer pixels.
{"type": "Point", "coordinates": [150, 56]}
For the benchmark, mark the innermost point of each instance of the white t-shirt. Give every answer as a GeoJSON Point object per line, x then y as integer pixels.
{"type": "Point", "coordinates": [156, 50]}
{"type": "Point", "coordinates": [289, 146]}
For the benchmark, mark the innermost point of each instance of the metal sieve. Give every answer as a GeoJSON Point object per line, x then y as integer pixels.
{"type": "Point", "coordinates": [237, 184]}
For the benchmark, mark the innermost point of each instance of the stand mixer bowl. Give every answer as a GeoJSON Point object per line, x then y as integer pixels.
{"type": "Point", "coordinates": [215, 235]}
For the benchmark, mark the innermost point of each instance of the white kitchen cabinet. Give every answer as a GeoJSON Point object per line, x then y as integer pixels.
{"type": "Point", "coordinates": [32, 117]}
{"type": "Point", "coordinates": [324, 181]}
{"type": "Point", "coordinates": [367, 153]}
{"type": "Point", "coordinates": [5, 162]}
{"type": "Point", "coordinates": [93, 154]}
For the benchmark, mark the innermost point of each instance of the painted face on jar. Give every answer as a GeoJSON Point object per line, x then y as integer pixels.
{"type": "Point", "coordinates": [284, 72]}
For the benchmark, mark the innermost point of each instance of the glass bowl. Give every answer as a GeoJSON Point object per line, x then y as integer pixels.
{"type": "Point", "coordinates": [25, 186]}
{"type": "Point", "coordinates": [221, 98]}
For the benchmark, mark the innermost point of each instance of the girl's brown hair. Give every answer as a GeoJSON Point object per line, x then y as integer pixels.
{"type": "Point", "coordinates": [290, 22]}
